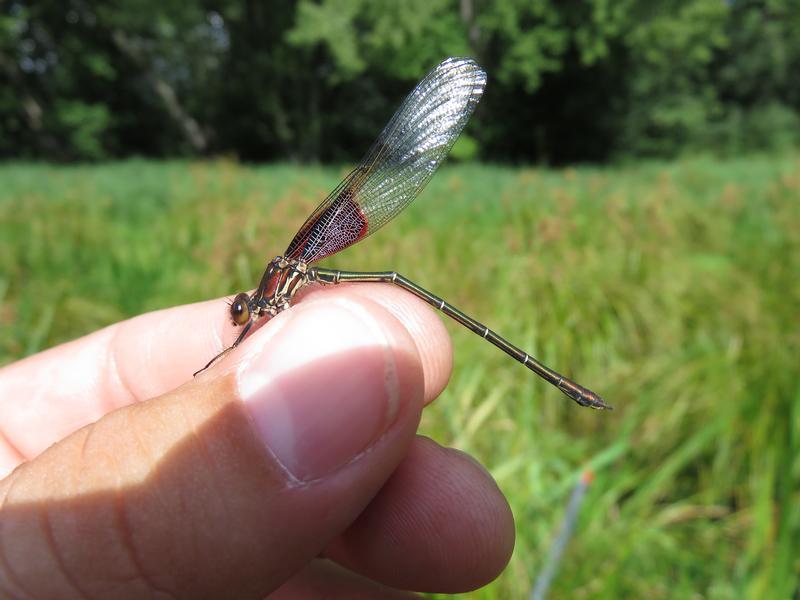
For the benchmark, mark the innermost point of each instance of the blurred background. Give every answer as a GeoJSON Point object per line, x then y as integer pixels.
{"type": "Point", "coordinates": [625, 204]}
{"type": "Point", "coordinates": [314, 81]}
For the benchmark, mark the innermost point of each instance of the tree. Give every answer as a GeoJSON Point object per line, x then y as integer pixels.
{"type": "Point", "coordinates": [307, 80]}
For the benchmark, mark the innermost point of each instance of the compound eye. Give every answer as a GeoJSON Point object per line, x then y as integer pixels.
{"type": "Point", "coordinates": [240, 311]}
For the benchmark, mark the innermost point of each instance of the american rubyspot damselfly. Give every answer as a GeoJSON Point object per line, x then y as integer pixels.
{"type": "Point", "coordinates": [402, 160]}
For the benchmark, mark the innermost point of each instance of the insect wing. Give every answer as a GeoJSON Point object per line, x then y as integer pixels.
{"type": "Point", "coordinates": [399, 164]}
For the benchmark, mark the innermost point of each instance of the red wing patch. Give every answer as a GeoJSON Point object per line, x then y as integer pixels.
{"type": "Point", "coordinates": [338, 226]}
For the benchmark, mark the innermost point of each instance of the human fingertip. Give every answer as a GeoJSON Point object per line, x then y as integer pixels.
{"type": "Point", "coordinates": [325, 387]}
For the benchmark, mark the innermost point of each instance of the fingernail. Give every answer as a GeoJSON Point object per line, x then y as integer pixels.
{"type": "Point", "coordinates": [321, 390]}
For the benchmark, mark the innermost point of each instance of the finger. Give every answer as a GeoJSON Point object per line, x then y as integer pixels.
{"type": "Point", "coordinates": [324, 579]}
{"type": "Point", "coordinates": [48, 396]}
{"type": "Point", "coordinates": [424, 325]}
{"type": "Point", "coordinates": [440, 524]}
{"type": "Point", "coordinates": [228, 485]}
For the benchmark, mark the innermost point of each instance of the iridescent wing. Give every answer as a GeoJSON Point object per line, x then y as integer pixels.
{"type": "Point", "coordinates": [399, 164]}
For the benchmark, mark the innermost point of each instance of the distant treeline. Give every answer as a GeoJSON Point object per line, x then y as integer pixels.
{"type": "Point", "coordinates": [569, 80]}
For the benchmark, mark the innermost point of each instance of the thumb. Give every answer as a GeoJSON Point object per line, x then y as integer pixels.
{"type": "Point", "coordinates": [228, 485]}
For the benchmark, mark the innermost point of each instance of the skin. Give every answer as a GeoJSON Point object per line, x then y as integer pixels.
{"type": "Point", "coordinates": [291, 467]}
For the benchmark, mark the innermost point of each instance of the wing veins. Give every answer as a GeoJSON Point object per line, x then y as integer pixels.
{"type": "Point", "coordinates": [400, 162]}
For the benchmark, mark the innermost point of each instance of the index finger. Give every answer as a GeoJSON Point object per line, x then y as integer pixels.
{"type": "Point", "coordinates": [47, 396]}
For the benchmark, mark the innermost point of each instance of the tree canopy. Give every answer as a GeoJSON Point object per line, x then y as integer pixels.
{"type": "Point", "coordinates": [569, 80]}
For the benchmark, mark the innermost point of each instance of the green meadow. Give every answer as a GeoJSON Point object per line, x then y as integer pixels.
{"type": "Point", "coordinates": [672, 289]}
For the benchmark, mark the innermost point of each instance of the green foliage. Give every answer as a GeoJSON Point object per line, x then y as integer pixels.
{"type": "Point", "coordinates": [404, 39]}
{"type": "Point", "coordinates": [465, 148]}
{"type": "Point", "coordinates": [83, 125]}
{"type": "Point", "coordinates": [532, 37]}
{"type": "Point", "coordinates": [574, 80]}
{"type": "Point", "coordinates": [671, 98]}
{"type": "Point", "coordinates": [331, 24]}
{"type": "Point", "coordinates": [670, 288]}
{"type": "Point", "coordinates": [772, 127]}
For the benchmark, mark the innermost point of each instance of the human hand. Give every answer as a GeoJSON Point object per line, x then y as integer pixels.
{"type": "Point", "coordinates": [290, 466]}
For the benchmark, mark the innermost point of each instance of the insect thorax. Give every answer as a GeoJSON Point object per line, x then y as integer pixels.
{"type": "Point", "coordinates": [280, 282]}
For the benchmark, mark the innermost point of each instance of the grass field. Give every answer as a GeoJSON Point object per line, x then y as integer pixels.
{"type": "Point", "coordinates": [671, 289]}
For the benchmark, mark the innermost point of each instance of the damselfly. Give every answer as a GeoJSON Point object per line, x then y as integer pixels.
{"type": "Point", "coordinates": [394, 171]}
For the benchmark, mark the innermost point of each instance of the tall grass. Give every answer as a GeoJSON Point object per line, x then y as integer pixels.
{"type": "Point", "coordinates": [671, 289]}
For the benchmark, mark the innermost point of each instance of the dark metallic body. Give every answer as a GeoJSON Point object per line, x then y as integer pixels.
{"type": "Point", "coordinates": [394, 171]}
{"type": "Point", "coordinates": [284, 278]}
